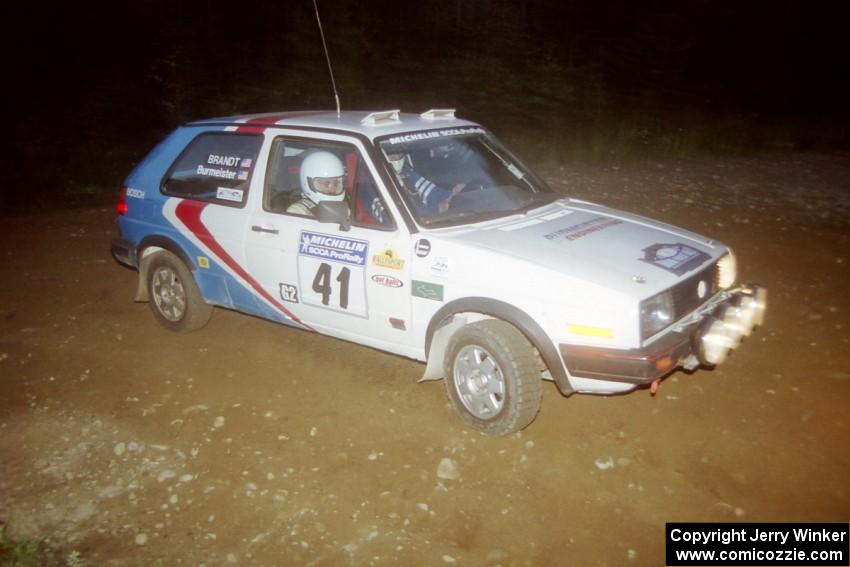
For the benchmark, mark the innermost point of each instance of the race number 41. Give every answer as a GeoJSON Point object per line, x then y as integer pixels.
{"type": "Point", "coordinates": [332, 271]}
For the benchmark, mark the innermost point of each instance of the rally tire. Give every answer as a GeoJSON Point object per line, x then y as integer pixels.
{"type": "Point", "coordinates": [492, 377]}
{"type": "Point", "coordinates": [175, 299]}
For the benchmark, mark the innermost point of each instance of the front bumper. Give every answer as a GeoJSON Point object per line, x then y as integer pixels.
{"type": "Point", "coordinates": [706, 339]}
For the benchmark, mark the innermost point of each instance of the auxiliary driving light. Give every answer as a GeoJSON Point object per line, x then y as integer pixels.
{"type": "Point", "coordinates": [746, 314]}
{"type": "Point", "coordinates": [735, 326]}
{"type": "Point", "coordinates": [759, 301]}
{"type": "Point", "coordinates": [715, 342]}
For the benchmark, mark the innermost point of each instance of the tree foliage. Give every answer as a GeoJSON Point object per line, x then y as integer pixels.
{"type": "Point", "coordinates": [110, 79]}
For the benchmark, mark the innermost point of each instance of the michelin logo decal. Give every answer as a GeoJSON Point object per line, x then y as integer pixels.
{"type": "Point", "coordinates": [333, 248]}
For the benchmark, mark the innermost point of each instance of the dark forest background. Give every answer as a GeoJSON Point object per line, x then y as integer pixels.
{"type": "Point", "coordinates": [91, 87]}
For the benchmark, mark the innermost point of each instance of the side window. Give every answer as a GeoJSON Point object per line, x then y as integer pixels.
{"type": "Point", "coordinates": [214, 167]}
{"type": "Point", "coordinates": [301, 173]}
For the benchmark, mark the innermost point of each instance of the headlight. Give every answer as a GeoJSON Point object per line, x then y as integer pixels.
{"type": "Point", "coordinates": [656, 313]}
{"type": "Point", "coordinates": [726, 271]}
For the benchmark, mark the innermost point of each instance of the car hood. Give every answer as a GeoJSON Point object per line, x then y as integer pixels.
{"type": "Point", "coordinates": [605, 246]}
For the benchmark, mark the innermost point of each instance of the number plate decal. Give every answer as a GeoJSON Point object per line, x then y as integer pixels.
{"type": "Point", "coordinates": [332, 272]}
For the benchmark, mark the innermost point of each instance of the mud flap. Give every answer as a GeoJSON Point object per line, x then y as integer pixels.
{"type": "Point", "coordinates": [437, 353]}
{"type": "Point", "coordinates": [142, 294]}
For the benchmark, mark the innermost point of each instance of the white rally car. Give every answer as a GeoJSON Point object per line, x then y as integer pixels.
{"type": "Point", "coordinates": [423, 236]}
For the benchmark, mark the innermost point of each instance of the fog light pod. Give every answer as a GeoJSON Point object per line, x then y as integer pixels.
{"type": "Point", "coordinates": [739, 321]}
{"type": "Point", "coordinates": [758, 300]}
{"type": "Point", "coordinates": [746, 311]}
{"type": "Point", "coordinates": [715, 341]}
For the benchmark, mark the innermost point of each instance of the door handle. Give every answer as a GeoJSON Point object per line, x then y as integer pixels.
{"type": "Point", "coordinates": [265, 229]}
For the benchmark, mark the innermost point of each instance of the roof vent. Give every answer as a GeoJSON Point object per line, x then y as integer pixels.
{"type": "Point", "coordinates": [438, 114]}
{"type": "Point", "coordinates": [381, 117]}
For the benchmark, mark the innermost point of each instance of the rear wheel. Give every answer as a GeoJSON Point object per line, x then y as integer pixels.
{"type": "Point", "coordinates": [175, 299]}
{"type": "Point", "coordinates": [492, 378]}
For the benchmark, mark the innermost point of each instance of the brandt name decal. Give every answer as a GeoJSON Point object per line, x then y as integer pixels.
{"type": "Point", "coordinates": [226, 161]}
{"type": "Point", "coordinates": [675, 258]}
{"type": "Point", "coordinates": [333, 248]}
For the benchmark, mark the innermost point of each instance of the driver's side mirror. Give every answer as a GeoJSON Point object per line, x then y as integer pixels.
{"type": "Point", "coordinates": [334, 212]}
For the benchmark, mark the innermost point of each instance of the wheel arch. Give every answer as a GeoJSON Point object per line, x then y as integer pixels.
{"type": "Point", "coordinates": [146, 249]}
{"type": "Point", "coordinates": [493, 308]}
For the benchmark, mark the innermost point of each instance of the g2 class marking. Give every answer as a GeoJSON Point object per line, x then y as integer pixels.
{"type": "Point", "coordinates": [289, 293]}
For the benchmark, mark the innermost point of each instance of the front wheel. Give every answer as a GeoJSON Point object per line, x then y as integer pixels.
{"type": "Point", "coordinates": [175, 299]}
{"type": "Point", "coordinates": [492, 378]}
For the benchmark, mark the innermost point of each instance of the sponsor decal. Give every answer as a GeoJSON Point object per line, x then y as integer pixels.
{"type": "Point", "coordinates": [426, 290]}
{"type": "Point", "coordinates": [676, 258]}
{"type": "Point", "coordinates": [422, 247]}
{"type": "Point", "coordinates": [219, 172]}
{"type": "Point", "coordinates": [433, 134]}
{"type": "Point", "coordinates": [440, 266]}
{"type": "Point", "coordinates": [576, 231]}
{"type": "Point", "coordinates": [289, 293]}
{"type": "Point", "coordinates": [333, 248]}
{"type": "Point", "coordinates": [227, 194]}
{"type": "Point", "coordinates": [387, 281]}
{"type": "Point", "coordinates": [203, 262]}
{"type": "Point", "coordinates": [135, 194]}
{"type": "Point", "coordinates": [388, 259]}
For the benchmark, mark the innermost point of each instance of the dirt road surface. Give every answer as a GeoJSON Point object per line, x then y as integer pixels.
{"type": "Point", "coordinates": [251, 443]}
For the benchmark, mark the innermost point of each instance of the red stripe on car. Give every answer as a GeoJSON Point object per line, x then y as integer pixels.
{"type": "Point", "coordinates": [189, 213]}
{"type": "Point", "coordinates": [258, 124]}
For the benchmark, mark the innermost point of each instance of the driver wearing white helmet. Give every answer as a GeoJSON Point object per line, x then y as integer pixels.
{"type": "Point", "coordinates": [322, 176]}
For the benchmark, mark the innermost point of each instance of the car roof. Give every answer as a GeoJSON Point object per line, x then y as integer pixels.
{"type": "Point", "coordinates": [372, 124]}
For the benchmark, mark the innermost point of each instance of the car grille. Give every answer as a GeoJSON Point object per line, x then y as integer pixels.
{"type": "Point", "coordinates": [686, 296]}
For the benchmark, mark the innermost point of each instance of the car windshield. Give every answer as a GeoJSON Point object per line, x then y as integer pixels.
{"type": "Point", "coordinates": [460, 176]}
